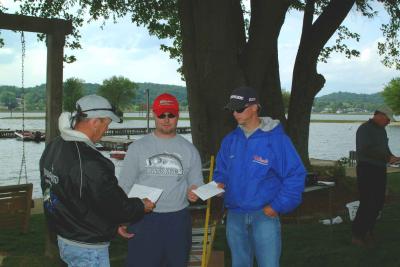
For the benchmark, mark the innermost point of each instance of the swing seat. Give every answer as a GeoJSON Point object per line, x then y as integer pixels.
{"type": "Point", "coordinates": [15, 206]}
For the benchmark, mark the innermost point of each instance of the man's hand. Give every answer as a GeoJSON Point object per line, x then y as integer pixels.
{"type": "Point", "coordinates": [123, 232]}
{"type": "Point", "coordinates": [222, 186]}
{"type": "Point", "coordinates": [190, 195]}
{"type": "Point", "coordinates": [269, 211]}
{"type": "Point", "coordinates": [148, 205]}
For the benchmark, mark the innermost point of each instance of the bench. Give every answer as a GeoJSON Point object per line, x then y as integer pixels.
{"type": "Point", "coordinates": [15, 206]}
{"type": "Point", "coordinates": [352, 158]}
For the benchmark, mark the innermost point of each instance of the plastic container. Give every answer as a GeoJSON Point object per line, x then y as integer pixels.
{"type": "Point", "coordinates": [353, 207]}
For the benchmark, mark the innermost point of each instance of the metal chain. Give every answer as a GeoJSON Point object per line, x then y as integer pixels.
{"type": "Point", "coordinates": [23, 160]}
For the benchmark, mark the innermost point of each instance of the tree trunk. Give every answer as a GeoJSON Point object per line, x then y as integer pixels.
{"type": "Point", "coordinates": [260, 58]}
{"type": "Point", "coordinates": [306, 81]}
{"type": "Point", "coordinates": [217, 59]}
{"type": "Point", "coordinates": [212, 41]}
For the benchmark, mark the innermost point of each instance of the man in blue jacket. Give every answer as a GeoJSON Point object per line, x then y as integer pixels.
{"type": "Point", "coordinates": [263, 177]}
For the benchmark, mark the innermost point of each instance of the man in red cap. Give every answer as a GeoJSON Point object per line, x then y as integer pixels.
{"type": "Point", "coordinates": [163, 159]}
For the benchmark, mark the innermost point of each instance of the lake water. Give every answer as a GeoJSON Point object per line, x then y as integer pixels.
{"type": "Point", "coordinates": [327, 141]}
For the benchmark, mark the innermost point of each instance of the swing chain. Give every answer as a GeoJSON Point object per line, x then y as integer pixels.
{"type": "Point", "coordinates": [23, 160]}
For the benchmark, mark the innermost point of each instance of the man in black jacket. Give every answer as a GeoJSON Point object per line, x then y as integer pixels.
{"type": "Point", "coordinates": [83, 203]}
{"type": "Point", "coordinates": [373, 154]}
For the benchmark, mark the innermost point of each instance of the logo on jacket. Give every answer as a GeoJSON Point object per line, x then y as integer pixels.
{"type": "Point", "coordinates": [164, 165]}
{"type": "Point", "coordinates": [50, 177]}
{"type": "Point", "coordinates": [260, 160]}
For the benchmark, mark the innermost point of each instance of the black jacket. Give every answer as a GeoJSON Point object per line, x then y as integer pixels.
{"type": "Point", "coordinates": [82, 199]}
{"type": "Point", "coordinates": [372, 144]}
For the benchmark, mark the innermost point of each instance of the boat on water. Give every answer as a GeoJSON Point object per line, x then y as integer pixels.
{"type": "Point", "coordinates": [100, 147]}
{"type": "Point", "coordinates": [35, 136]}
{"type": "Point", "coordinates": [117, 154]}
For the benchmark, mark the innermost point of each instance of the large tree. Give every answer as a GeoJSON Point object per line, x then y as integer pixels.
{"type": "Point", "coordinates": [9, 99]}
{"type": "Point", "coordinates": [391, 95]}
{"type": "Point", "coordinates": [72, 90]}
{"type": "Point", "coordinates": [221, 46]}
{"type": "Point", "coordinates": [119, 91]}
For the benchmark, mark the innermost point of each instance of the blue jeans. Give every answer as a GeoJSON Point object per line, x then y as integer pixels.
{"type": "Point", "coordinates": [253, 234]}
{"type": "Point", "coordinates": [78, 256]}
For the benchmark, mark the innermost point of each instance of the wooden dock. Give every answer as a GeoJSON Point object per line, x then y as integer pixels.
{"type": "Point", "coordinates": [115, 143]}
{"type": "Point", "coordinates": [7, 134]}
{"type": "Point", "coordinates": [140, 131]}
{"type": "Point", "coordinates": [110, 132]}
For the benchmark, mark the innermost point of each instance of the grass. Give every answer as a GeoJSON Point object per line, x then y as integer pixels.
{"type": "Point", "coordinates": [308, 243]}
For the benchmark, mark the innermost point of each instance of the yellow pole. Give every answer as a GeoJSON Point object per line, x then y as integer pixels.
{"type": "Point", "coordinates": [205, 237]}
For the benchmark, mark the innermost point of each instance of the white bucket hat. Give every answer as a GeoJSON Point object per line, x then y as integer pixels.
{"type": "Point", "coordinates": [95, 106]}
{"type": "Point", "coordinates": [387, 111]}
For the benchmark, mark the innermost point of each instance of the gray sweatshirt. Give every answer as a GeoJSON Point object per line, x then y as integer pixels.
{"type": "Point", "coordinates": [171, 164]}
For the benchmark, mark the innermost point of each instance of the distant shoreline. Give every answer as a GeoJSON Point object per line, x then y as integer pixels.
{"type": "Point", "coordinates": [141, 118]}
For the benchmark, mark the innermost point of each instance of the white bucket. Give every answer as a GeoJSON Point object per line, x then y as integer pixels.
{"type": "Point", "coordinates": [352, 207]}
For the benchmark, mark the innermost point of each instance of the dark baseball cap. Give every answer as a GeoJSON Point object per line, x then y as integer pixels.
{"type": "Point", "coordinates": [242, 97]}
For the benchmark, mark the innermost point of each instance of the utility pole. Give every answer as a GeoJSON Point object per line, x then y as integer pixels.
{"type": "Point", "coordinates": [148, 109]}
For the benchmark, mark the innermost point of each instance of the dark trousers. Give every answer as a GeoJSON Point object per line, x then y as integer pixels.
{"type": "Point", "coordinates": [161, 240]}
{"type": "Point", "coordinates": [371, 182]}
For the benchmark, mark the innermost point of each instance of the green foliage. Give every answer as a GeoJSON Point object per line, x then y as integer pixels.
{"type": "Point", "coordinates": [73, 90]}
{"type": "Point", "coordinates": [390, 48]}
{"type": "Point", "coordinates": [118, 90]}
{"type": "Point", "coordinates": [348, 102]}
{"type": "Point", "coordinates": [155, 89]}
{"type": "Point", "coordinates": [391, 95]}
{"type": "Point", "coordinates": [162, 20]}
{"type": "Point", "coordinates": [343, 34]}
{"type": "Point", "coordinates": [9, 99]}
{"type": "Point", "coordinates": [286, 99]}
{"type": "Point", "coordinates": [35, 99]}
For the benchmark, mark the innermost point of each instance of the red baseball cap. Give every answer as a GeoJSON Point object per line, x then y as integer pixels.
{"type": "Point", "coordinates": [165, 103]}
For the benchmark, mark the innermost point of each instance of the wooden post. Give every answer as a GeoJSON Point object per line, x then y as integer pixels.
{"type": "Point", "coordinates": [56, 29]}
{"type": "Point", "coordinates": [54, 83]}
{"type": "Point", "coordinates": [54, 91]}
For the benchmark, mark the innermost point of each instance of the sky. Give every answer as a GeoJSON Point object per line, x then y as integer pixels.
{"type": "Point", "coordinates": [123, 49]}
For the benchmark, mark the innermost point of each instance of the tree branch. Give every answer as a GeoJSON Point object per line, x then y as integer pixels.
{"type": "Point", "coordinates": [328, 22]}
{"type": "Point", "coordinates": [267, 17]}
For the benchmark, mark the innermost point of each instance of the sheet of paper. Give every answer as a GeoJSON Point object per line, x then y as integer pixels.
{"type": "Point", "coordinates": [208, 190]}
{"type": "Point", "coordinates": [325, 183]}
{"type": "Point", "coordinates": [142, 191]}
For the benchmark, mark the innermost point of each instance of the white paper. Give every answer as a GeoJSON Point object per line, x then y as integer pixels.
{"type": "Point", "coordinates": [208, 190]}
{"type": "Point", "coordinates": [325, 183]}
{"type": "Point", "coordinates": [142, 191]}
{"type": "Point", "coordinates": [335, 220]}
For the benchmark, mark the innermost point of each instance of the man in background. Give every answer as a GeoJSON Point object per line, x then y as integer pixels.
{"type": "Point", "coordinates": [163, 159]}
{"type": "Point", "coordinates": [82, 201]}
{"type": "Point", "coordinates": [373, 154]}
{"type": "Point", "coordinates": [263, 177]}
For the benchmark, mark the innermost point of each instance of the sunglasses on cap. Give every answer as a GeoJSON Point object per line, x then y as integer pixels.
{"type": "Point", "coordinates": [164, 115]}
